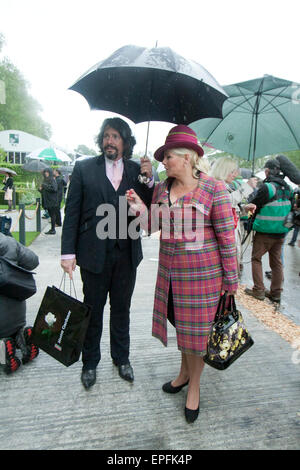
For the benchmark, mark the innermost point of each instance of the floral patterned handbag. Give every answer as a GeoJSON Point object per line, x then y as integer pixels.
{"type": "Point", "coordinates": [229, 337]}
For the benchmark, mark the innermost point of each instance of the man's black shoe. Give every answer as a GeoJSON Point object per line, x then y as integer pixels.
{"type": "Point", "coordinates": [125, 371]}
{"type": "Point", "coordinates": [88, 378]}
{"type": "Point", "coordinates": [51, 232]}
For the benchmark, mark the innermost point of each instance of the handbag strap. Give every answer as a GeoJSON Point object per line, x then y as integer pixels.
{"type": "Point", "coordinates": [63, 280]}
{"type": "Point", "coordinates": [222, 307]}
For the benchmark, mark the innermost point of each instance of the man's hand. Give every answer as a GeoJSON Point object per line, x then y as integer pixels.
{"type": "Point", "coordinates": [68, 266]}
{"type": "Point", "coordinates": [250, 207]}
{"type": "Point", "coordinates": [146, 167]}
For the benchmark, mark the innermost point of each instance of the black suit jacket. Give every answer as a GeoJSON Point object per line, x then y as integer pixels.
{"type": "Point", "coordinates": [88, 190]}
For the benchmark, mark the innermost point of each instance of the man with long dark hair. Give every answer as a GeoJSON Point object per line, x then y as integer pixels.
{"type": "Point", "coordinates": [108, 259]}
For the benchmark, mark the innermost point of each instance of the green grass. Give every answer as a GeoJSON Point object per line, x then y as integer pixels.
{"type": "Point", "coordinates": [29, 236]}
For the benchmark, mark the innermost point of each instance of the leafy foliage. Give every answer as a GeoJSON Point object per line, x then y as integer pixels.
{"type": "Point", "coordinates": [84, 150]}
{"type": "Point", "coordinates": [21, 110]}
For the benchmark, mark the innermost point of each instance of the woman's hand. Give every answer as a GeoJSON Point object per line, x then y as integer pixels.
{"type": "Point", "coordinates": [135, 202]}
{"type": "Point", "coordinates": [229, 293]}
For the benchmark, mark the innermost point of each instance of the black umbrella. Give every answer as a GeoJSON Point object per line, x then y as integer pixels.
{"type": "Point", "coordinates": [66, 170]}
{"type": "Point", "coordinates": [35, 166]}
{"type": "Point", "coordinates": [152, 85]}
{"type": "Point", "coordinates": [7, 170]}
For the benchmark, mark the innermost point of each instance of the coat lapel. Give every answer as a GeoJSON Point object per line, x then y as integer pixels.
{"type": "Point", "coordinates": [101, 180]}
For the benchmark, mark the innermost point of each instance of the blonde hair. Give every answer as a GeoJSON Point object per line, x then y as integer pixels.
{"type": "Point", "coordinates": [198, 165]}
{"type": "Point", "coordinates": [222, 167]}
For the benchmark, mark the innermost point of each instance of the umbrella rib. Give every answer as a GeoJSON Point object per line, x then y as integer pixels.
{"type": "Point", "coordinates": [287, 124]}
{"type": "Point", "coordinates": [221, 120]}
{"type": "Point", "coordinates": [265, 95]}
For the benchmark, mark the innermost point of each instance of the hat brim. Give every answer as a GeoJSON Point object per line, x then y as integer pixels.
{"type": "Point", "coordinates": [159, 154]}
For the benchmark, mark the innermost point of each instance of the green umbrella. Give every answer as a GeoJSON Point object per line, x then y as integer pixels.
{"type": "Point", "coordinates": [260, 117]}
{"type": "Point", "coordinates": [49, 153]}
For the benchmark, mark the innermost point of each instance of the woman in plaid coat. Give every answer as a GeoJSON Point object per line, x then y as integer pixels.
{"type": "Point", "coordinates": [197, 259]}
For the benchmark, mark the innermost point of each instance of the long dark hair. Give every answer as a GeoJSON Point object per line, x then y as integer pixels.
{"type": "Point", "coordinates": [125, 132]}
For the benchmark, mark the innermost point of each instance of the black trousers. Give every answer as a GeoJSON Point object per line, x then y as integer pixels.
{"type": "Point", "coordinates": [58, 214]}
{"type": "Point", "coordinates": [52, 213]}
{"type": "Point", "coordinates": [118, 280]}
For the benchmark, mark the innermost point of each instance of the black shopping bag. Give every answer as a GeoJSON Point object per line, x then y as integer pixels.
{"type": "Point", "coordinates": [60, 326]}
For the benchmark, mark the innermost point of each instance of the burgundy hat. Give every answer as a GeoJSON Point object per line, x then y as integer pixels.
{"type": "Point", "coordinates": [179, 136]}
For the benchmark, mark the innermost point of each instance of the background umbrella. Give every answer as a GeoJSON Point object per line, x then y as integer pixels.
{"type": "Point", "coordinates": [260, 117]}
{"type": "Point", "coordinates": [49, 153]}
{"type": "Point", "coordinates": [7, 170]}
{"type": "Point", "coordinates": [35, 166]}
{"type": "Point", "coordinates": [66, 170]}
{"type": "Point", "coordinates": [151, 85]}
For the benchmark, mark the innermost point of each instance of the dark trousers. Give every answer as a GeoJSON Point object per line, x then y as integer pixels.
{"type": "Point", "coordinates": [52, 213]}
{"type": "Point", "coordinates": [57, 215]}
{"type": "Point", "coordinates": [295, 234]}
{"type": "Point", "coordinates": [117, 279]}
{"type": "Point", "coordinates": [262, 244]}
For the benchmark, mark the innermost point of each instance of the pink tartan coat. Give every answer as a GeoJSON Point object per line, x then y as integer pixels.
{"type": "Point", "coordinates": [198, 274]}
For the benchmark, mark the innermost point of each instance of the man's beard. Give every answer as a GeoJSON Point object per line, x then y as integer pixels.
{"type": "Point", "coordinates": [110, 156]}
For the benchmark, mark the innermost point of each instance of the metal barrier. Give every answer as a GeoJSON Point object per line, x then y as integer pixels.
{"type": "Point", "coordinates": [21, 220]}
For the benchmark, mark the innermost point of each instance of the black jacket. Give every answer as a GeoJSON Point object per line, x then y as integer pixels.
{"type": "Point", "coordinates": [49, 191]}
{"type": "Point", "coordinates": [89, 188]}
{"type": "Point", "coordinates": [61, 184]}
{"type": "Point", "coordinates": [8, 184]}
{"type": "Point", "coordinates": [13, 311]}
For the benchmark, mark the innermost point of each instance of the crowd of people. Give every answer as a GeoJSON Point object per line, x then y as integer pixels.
{"type": "Point", "coordinates": [192, 272]}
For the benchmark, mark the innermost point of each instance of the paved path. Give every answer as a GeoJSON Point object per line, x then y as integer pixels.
{"type": "Point", "coordinates": [255, 404]}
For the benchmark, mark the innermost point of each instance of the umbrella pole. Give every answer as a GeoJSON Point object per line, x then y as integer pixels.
{"type": "Point", "coordinates": [256, 109]}
{"type": "Point", "coordinates": [148, 123]}
{"type": "Point", "coordinates": [147, 138]}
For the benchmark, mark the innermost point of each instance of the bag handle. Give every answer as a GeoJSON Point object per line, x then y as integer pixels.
{"type": "Point", "coordinates": [63, 280]}
{"type": "Point", "coordinates": [222, 306]}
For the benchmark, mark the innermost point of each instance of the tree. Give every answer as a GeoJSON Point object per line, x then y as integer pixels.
{"type": "Point", "coordinates": [84, 150]}
{"type": "Point", "coordinates": [21, 110]}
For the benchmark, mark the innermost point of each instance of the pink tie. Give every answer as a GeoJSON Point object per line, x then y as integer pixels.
{"type": "Point", "coordinates": [116, 176]}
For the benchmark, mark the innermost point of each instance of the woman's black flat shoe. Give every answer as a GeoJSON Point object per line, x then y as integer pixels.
{"type": "Point", "coordinates": [168, 387]}
{"type": "Point", "coordinates": [191, 415]}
